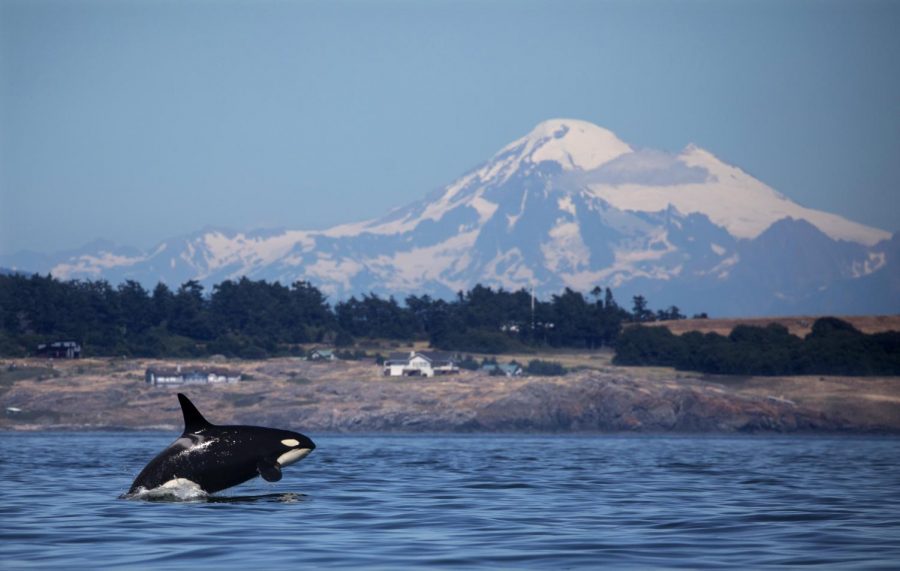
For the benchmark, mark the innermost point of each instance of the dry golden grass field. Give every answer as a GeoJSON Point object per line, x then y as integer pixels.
{"type": "Point", "coordinates": [800, 325]}
{"type": "Point", "coordinates": [354, 396]}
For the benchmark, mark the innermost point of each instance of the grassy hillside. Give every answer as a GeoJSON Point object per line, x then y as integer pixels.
{"type": "Point", "coordinates": [349, 396]}
{"type": "Point", "coordinates": [798, 325]}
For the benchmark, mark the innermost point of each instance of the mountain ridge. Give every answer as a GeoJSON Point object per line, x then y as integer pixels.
{"type": "Point", "coordinates": [567, 205]}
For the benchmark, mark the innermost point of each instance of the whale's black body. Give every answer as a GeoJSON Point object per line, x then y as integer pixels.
{"type": "Point", "coordinates": [218, 457]}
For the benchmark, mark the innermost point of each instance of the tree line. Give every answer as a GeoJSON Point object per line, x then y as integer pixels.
{"type": "Point", "coordinates": [258, 319]}
{"type": "Point", "coordinates": [833, 347]}
{"type": "Point", "coordinates": [255, 319]}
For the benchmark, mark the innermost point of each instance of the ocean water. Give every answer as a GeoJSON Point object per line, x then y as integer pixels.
{"type": "Point", "coordinates": [474, 501]}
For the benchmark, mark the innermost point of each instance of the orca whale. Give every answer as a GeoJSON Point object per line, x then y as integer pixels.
{"type": "Point", "coordinates": [213, 457]}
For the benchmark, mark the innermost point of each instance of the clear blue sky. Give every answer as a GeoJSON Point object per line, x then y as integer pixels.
{"type": "Point", "coordinates": [140, 120]}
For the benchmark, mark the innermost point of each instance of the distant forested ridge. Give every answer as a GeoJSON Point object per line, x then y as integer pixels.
{"type": "Point", "coordinates": [833, 347]}
{"type": "Point", "coordinates": [256, 319]}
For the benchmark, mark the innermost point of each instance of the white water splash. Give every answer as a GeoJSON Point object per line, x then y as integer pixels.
{"type": "Point", "coordinates": [201, 444]}
{"type": "Point", "coordinates": [179, 490]}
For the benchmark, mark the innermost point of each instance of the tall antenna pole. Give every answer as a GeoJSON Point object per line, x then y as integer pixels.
{"type": "Point", "coordinates": [532, 308]}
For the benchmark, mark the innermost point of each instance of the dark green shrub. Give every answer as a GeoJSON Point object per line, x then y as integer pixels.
{"type": "Point", "coordinates": [545, 368]}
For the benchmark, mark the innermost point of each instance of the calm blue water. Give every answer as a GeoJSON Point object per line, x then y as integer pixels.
{"type": "Point", "coordinates": [546, 502]}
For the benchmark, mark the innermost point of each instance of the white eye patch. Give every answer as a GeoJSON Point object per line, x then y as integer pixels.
{"type": "Point", "coordinates": [290, 442]}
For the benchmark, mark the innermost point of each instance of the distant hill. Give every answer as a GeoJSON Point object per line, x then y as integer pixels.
{"type": "Point", "coordinates": [567, 205]}
{"type": "Point", "coordinates": [796, 325]}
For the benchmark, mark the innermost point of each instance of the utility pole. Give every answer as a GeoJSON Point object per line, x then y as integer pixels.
{"type": "Point", "coordinates": [532, 310]}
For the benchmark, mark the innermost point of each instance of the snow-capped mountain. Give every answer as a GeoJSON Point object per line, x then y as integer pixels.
{"type": "Point", "coordinates": [567, 205]}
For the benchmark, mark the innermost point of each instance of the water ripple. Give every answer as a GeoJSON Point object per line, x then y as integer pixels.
{"type": "Point", "coordinates": [466, 501]}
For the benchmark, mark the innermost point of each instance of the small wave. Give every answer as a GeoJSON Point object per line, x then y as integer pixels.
{"type": "Point", "coordinates": [284, 498]}
{"type": "Point", "coordinates": [187, 491]}
{"type": "Point", "coordinates": [177, 490]}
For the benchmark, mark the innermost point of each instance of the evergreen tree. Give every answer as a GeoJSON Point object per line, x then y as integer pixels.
{"type": "Point", "coordinates": [161, 303]}
{"type": "Point", "coordinates": [609, 303]}
{"type": "Point", "coordinates": [188, 316]}
{"type": "Point", "coordinates": [640, 312]}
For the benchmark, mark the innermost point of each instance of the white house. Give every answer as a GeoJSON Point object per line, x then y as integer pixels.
{"type": "Point", "coordinates": [179, 376]}
{"type": "Point", "coordinates": [420, 363]}
{"type": "Point", "coordinates": [396, 364]}
{"type": "Point", "coordinates": [60, 350]}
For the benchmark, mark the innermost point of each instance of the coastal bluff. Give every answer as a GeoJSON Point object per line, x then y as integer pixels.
{"type": "Point", "coordinates": [353, 397]}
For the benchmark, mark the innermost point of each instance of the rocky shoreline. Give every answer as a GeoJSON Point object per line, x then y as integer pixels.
{"type": "Point", "coordinates": [352, 397]}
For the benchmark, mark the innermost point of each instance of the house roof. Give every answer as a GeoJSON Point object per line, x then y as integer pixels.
{"type": "Point", "coordinates": [436, 356]}
{"type": "Point", "coordinates": [163, 371]}
{"type": "Point", "coordinates": [433, 357]}
{"type": "Point", "coordinates": [58, 344]}
{"type": "Point", "coordinates": [506, 368]}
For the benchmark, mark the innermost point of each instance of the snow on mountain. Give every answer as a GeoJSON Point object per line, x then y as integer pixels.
{"type": "Point", "coordinates": [571, 143]}
{"type": "Point", "coordinates": [567, 205]}
{"type": "Point", "coordinates": [727, 195]}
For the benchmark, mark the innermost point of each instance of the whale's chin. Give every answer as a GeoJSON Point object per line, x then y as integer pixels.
{"type": "Point", "coordinates": [293, 456]}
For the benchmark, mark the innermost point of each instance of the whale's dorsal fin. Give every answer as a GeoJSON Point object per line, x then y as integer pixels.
{"type": "Point", "coordinates": [193, 420]}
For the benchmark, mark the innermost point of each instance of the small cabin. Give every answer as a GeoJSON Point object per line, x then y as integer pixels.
{"type": "Point", "coordinates": [60, 350]}
{"type": "Point", "coordinates": [185, 376]}
{"type": "Point", "coordinates": [507, 370]}
{"type": "Point", "coordinates": [322, 355]}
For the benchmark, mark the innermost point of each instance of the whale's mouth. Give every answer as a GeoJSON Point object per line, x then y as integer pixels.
{"type": "Point", "coordinates": [292, 456]}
